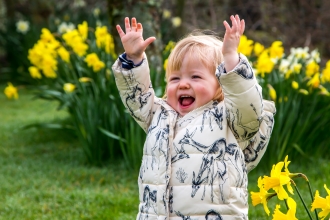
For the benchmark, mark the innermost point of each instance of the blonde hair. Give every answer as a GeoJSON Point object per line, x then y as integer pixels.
{"type": "Point", "coordinates": [206, 47]}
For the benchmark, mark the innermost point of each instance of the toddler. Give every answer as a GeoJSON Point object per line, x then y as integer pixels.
{"type": "Point", "coordinates": [209, 130]}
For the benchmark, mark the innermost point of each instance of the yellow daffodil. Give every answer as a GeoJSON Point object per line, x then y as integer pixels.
{"type": "Point", "coordinates": [69, 87]}
{"type": "Point", "coordinates": [169, 47]}
{"type": "Point", "coordinates": [176, 22]}
{"type": "Point", "coordinates": [285, 98]}
{"type": "Point", "coordinates": [64, 54]}
{"type": "Point", "coordinates": [245, 46]}
{"type": "Point", "coordinates": [71, 37]}
{"type": "Point", "coordinates": [262, 196]}
{"type": "Point", "coordinates": [84, 79]}
{"type": "Point", "coordinates": [165, 64]}
{"type": "Point", "coordinates": [295, 85]}
{"type": "Point", "coordinates": [80, 48]}
{"type": "Point", "coordinates": [315, 81]}
{"type": "Point", "coordinates": [110, 45]}
{"type": "Point", "coordinates": [100, 34]}
{"type": "Point", "coordinates": [324, 91]}
{"type": "Point", "coordinates": [43, 55]}
{"type": "Point", "coordinates": [75, 40]}
{"type": "Point", "coordinates": [288, 73]}
{"type": "Point", "coordinates": [46, 35]}
{"type": "Point", "coordinates": [258, 48]}
{"type": "Point", "coordinates": [264, 64]}
{"type": "Point", "coordinates": [290, 215]}
{"type": "Point", "coordinates": [11, 91]}
{"type": "Point", "coordinates": [166, 14]}
{"type": "Point", "coordinates": [98, 66]}
{"type": "Point", "coordinates": [297, 67]}
{"type": "Point", "coordinates": [272, 92]}
{"type": "Point", "coordinates": [303, 91]}
{"type": "Point", "coordinates": [312, 68]}
{"type": "Point", "coordinates": [108, 73]}
{"type": "Point", "coordinates": [83, 30]}
{"type": "Point", "coordinates": [105, 40]}
{"type": "Point", "coordinates": [322, 203]}
{"type": "Point", "coordinates": [49, 61]}
{"type": "Point", "coordinates": [91, 59]}
{"type": "Point", "coordinates": [276, 50]}
{"type": "Point", "coordinates": [34, 72]}
{"type": "Point", "coordinates": [96, 12]}
{"type": "Point", "coordinates": [49, 72]}
{"type": "Point", "coordinates": [277, 180]}
{"type": "Point", "coordinates": [325, 77]}
{"type": "Point", "coordinates": [286, 164]}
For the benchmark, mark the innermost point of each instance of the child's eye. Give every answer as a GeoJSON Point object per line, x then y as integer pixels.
{"type": "Point", "coordinates": [196, 77]}
{"type": "Point", "coordinates": [174, 78]}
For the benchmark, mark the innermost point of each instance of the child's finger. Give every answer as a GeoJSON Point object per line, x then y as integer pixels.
{"type": "Point", "coordinates": [148, 41]}
{"type": "Point", "coordinates": [120, 31]}
{"type": "Point", "coordinates": [233, 23]}
{"type": "Point", "coordinates": [225, 23]}
{"type": "Point", "coordinates": [134, 25]}
{"type": "Point", "coordinates": [127, 25]}
{"type": "Point", "coordinates": [238, 23]}
{"type": "Point", "coordinates": [242, 26]}
{"type": "Point", "coordinates": [139, 28]}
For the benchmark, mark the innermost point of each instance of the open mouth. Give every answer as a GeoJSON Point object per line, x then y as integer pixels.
{"type": "Point", "coordinates": [186, 100]}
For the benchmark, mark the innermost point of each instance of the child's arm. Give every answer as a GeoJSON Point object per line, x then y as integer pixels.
{"type": "Point", "coordinates": [131, 72]}
{"type": "Point", "coordinates": [243, 94]}
{"type": "Point", "coordinates": [133, 42]}
{"type": "Point", "coordinates": [231, 41]}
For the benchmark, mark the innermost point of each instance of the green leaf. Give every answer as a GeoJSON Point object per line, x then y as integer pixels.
{"type": "Point", "coordinates": [48, 125]}
{"type": "Point", "coordinates": [111, 135]}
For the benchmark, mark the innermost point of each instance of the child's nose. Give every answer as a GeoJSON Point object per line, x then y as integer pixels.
{"type": "Point", "coordinates": [184, 84]}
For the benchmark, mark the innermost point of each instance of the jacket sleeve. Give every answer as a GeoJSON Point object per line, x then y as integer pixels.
{"type": "Point", "coordinates": [249, 116]}
{"type": "Point", "coordinates": [243, 99]}
{"type": "Point", "coordinates": [136, 91]}
{"type": "Point", "coordinates": [255, 148]}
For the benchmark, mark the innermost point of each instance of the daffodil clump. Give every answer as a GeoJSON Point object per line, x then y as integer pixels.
{"type": "Point", "coordinates": [279, 184]}
{"type": "Point", "coordinates": [73, 66]}
{"type": "Point", "coordinates": [299, 86]}
{"type": "Point", "coordinates": [46, 53]}
{"type": "Point", "coordinates": [301, 68]}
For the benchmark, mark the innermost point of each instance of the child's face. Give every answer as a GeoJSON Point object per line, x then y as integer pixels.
{"type": "Point", "coordinates": [191, 87]}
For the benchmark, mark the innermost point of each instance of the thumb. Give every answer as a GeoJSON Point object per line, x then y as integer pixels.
{"type": "Point", "coordinates": [148, 41]}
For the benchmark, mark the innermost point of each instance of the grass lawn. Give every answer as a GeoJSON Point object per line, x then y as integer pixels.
{"type": "Point", "coordinates": [44, 175]}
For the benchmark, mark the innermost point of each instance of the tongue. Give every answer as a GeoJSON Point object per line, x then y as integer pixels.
{"type": "Point", "coordinates": [187, 101]}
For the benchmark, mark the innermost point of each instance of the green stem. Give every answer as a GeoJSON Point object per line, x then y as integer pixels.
{"type": "Point", "coordinates": [286, 204]}
{"type": "Point", "coordinates": [309, 186]}
{"type": "Point", "coordinates": [311, 192]}
{"type": "Point", "coordinates": [302, 200]}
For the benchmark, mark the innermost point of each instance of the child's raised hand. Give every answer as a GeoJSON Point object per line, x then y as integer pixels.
{"type": "Point", "coordinates": [231, 41]}
{"type": "Point", "coordinates": [133, 41]}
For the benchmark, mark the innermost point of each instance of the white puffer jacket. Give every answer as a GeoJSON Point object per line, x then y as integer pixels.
{"type": "Point", "coordinates": [195, 167]}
